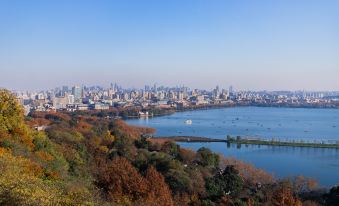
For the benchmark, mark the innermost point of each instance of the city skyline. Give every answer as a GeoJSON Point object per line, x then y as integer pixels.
{"type": "Point", "coordinates": [80, 98]}
{"type": "Point", "coordinates": [158, 86]}
{"type": "Point", "coordinates": [266, 45]}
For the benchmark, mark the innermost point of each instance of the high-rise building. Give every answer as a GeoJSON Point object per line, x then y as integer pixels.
{"type": "Point", "coordinates": [216, 92]}
{"type": "Point", "coordinates": [77, 93]}
{"type": "Point", "coordinates": [64, 90]}
{"type": "Point", "coordinates": [217, 88]}
{"type": "Point", "coordinates": [230, 90]}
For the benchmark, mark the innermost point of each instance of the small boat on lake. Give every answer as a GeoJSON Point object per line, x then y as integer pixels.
{"type": "Point", "coordinates": [188, 121]}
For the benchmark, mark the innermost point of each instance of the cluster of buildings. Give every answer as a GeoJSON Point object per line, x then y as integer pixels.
{"type": "Point", "coordinates": [98, 98]}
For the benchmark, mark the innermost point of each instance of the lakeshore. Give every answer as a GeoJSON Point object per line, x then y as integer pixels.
{"type": "Point", "coordinates": [305, 139]}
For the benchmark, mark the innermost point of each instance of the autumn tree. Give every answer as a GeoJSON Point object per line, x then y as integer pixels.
{"type": "Point", "coordinates": [12, 123]}
{"type": "Point", "coordinates": [119, 179]}
{"type": "Point", "coordinates": [301, 184]}
{"type": "Point", "coordinates": [280, 194]}
{"type": "Point", "coordinates": [247, 171]}
{"type": "Point", "coordinates": [120, 128]}
{"type": "Point", "coordinates": [22, 182]}
{"type": "Point", "coordinates": [187, 156]}
{"type": "Point", "coordinates": [283, 196]}
{"type": "Point", "coordinates": [158, 191]}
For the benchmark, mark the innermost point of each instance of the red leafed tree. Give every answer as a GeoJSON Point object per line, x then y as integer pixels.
{"type": "Point", "coordinates": [159, 192]}
{"type": "Point", "coordinates": [120, 180]}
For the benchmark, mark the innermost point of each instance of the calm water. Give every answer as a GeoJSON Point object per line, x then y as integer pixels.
{"type": "Point", "coordinates": [280, 123]}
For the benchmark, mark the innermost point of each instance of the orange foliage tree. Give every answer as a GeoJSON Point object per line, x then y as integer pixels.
{"type": "Point", "coordinates": [283, 196]}
{"type": "Point", "coordinates": [120, 180]}
{"type": "Point", "coordinates": [134, 132]}
{"type": "Point", "coordinates": [12, 123]}
{"type": "Point", "coordinates": [158, 191]}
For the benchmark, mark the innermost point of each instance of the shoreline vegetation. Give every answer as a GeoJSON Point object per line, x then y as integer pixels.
{"type": "Point", "coordinates": [244, 141]}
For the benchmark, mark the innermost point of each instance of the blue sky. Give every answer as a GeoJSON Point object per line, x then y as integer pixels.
{"type": "Point", "coordinates": [273, 44]}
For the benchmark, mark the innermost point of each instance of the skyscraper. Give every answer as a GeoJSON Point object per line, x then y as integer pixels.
{"type": "Point", "coordinates": [230, 90]}
{"type": "Point", "coordinates": [64, 90]}
{"type": "Point", "coordinates": [77, 93]}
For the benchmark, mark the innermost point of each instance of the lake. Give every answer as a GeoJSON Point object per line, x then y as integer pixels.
{"type": "Point", "coordinates": [287, 124]}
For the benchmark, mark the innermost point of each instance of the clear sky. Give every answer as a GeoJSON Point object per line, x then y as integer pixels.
{"type": "Point", "coordinates": [273, 44]}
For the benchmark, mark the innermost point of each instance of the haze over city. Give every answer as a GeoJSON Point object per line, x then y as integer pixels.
{"type": "Point", "coordinates": [271, 45]}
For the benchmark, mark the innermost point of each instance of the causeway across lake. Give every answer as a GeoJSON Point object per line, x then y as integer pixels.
{"type": "Point", "coordinates": [286, 124]}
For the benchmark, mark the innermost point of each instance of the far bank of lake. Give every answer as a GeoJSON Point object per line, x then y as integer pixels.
{"type": "Point", "coordinates": [285, 124]}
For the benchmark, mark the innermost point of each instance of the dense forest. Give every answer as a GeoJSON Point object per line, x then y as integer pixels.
{"type": "Point", "coordinates": [79, 159]}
